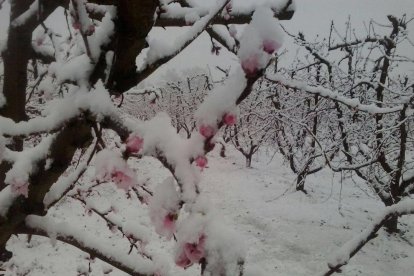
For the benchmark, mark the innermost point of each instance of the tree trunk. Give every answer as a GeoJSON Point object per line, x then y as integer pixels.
{"type": "Point", "coordinates": [15, 59]}
{"type": "Point", "coordinates": [248, 160]}
{"type": "Point", "coordinates": [391, 225]}
{"type": "Point", "coordinates": [300, 183]}
{"type": "Point", "coordinates": [223, 150]}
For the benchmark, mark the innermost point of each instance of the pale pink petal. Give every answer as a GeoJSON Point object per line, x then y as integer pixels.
{"type": "Point", "coordinates": [229, 119]}
{"type": "Point", "coordinates": [134, 143]}
{"type": "Point", "coordinates": [270, 46]}
{"type": "Point", "coordinates": [250, 65]}
{"type": "Point", "coordinates": [20, 188]}
{"type": "Point", "coordinates": [122, 179]}
{"type": "Point", "coordinates": [182, 260]}
{"type": "Point", "coordinates": [207, 131]}
{"type": "Point", "coordinates": [169, 222]}
{"type": "Point", "coordinates": [193, 252]}
{"type": "Point", "coordinates": [201, 162]}
{"type": "Point", "coordinates": [76, 25]}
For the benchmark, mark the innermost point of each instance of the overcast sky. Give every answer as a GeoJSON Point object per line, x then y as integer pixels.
{"type": "Point", "coordinates": [312, 17]}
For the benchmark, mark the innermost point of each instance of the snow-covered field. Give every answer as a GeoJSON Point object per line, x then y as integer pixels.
{"type": "Point", "coordinates": [285, 232]}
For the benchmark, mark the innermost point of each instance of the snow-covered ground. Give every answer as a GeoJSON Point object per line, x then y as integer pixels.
{"type": "Point", "coordinates": [286, 232]}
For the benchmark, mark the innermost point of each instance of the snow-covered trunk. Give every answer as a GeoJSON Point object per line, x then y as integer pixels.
{"type": "Point", "coordinates": [300, 182]}
{"type": "Point", "coordinates": [75, 135]}
{"type": "Point", "coordinates": [15, 58]}
{"type": "Point", "coordinates": [391, 225]}
{"type": "Point", "coordinates": [248, 161]}
{"type": "Point", "coordinates": [133, 25]}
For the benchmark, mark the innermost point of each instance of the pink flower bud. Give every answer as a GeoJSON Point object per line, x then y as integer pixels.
{"type": "Point", "coordinates": [229, 119]}
{"type": "Point", "coordinates": [207, 131]}
{"type": "Point", "coordinates": [182, 260]}
{"type": "Point", "coordinates": [195, 251]}
{"type": "Point", "coordinates": [90, 30]}
{"type": "Point", "coordinates": [134, 144]}
{"type": "Point", "coordinates": [122, 179]}
{"type": "Point", "coordinates": [229, 7]}
{"type": "Point", "coordinates": [270, 46]}
{"type": "Point", "coordinates": [40, 40]}
{"type": "Point", "coordinates": [233, 31]}
{"type": "Point", "coordinates": [169, 222]}
{"type": "Point", "coordinates": [250, 65]}
{"type": "Point", "coordinates": [201, 162]}
{"type": "Point", "coordinates": [76, 25]}
{"type": "Point", "coordinates": [20, 187]}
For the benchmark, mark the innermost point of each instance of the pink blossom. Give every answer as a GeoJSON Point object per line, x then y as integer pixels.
{"type": "Point", "coordinates": [182, 260]}
{"type": "Point", "coordinates": [76, 25]}
{"type": "Point", "coordinates": [250, 65]}
{"type": "Point", "coordinates": [40, 40]}
{"type": "Point", "coordinates": [20, 187]}
{"type": "Point", "coordinates": [201, 161]}
{"type": "Point", "coordinates": [229, 7]}
{"type": "Point", "coordinates": [134, 143]}
{"type": "Point", "coordinates": [229, 119]}
{"type": "Point", "coordinates": [191, 253]}
{"type": "Point", "coordinates": [195, 251]}
{"type": "Point", "coordinates": [122, 179]}
{"type": "Point", "coordinates": [207, 131]}
{"type": "Point", "coordinates": [227, 16]}
{"type": "Point", "coordinates": [169, 222]}
{"type": "Point", "coordinates": [233, 31]}
{"type": "Point", "coordinates": [90, 30]}
{"type": "Point", "coordinates": [270, 46]}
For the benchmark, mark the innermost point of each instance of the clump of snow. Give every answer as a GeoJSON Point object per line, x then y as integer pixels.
{"type": "Point", "coordinates": [259, 40]}
{"type": "Point", "coordinates": [164, 207]}
{"type": "Point", "coordinates": [26, 164]}
{"type": "Point", "coordinates": [110, 166]}
{"type": "Point", "coordinates": [30, 12]}
{"type": "Point", "coordinates": [134, 143]}
{"type": "Point", "coordinates": [221, 101]}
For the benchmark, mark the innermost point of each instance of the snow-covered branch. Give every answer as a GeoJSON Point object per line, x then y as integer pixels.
{"type": "Point", "coordinates": [65, 232]}
{"type": "Point", "coordinates": [334, 96]}
{"type": "Point", "coordinates": [350, 248]}
{"type": "Point", "coordinates": [176, 15]}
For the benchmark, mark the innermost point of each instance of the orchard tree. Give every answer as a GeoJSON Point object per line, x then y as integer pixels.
{"type": "Point", "coordinates": [302, 124]}
{"type": "Point", "coordinates": [373, 101]}
{"type": "Point", "coordinates": [252, 128]}
{"type": "Point", "coordinates": [57, 109]}
{"type": "Point", "coordinates": [178, 95]}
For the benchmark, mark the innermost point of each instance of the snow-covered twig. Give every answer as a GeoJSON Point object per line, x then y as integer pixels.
{"type": "Point", "coordinates": [329, 94]}
{"type": "Point", "coordinates": [64, 232]}
{"type": "Point", "coordinates": [349, 249]}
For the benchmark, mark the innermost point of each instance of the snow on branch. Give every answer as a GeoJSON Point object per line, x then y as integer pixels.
{"type": "Point", "coordinates": [7, 197]}
{"type": "Point", "coordinates": [329, 94]}
{"type": "Point", "coordinates": [65, 232]}
{"type": "Point", "coordinates": [24, 17]}
{"type": "Point", "coordinates": [158, 53]}
{"type": "Point", "coordinates": [350, 248]}
{"type": "Point", "coordinates": [66, 183]}
{"type": "Point", "coordinates": [176, 15]}
{"type": "Point", "coordinates": [97, 102]}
